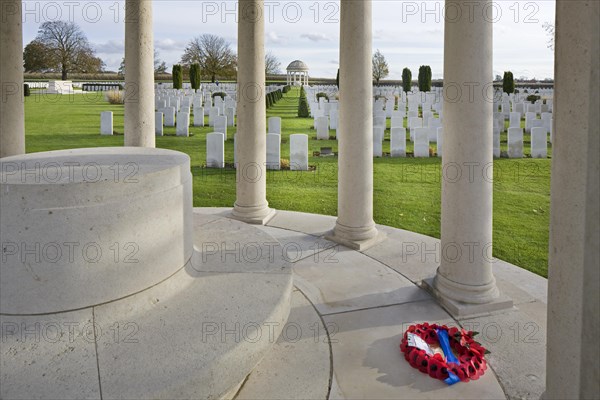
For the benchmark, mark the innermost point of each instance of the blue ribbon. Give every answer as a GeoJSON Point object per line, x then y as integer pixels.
{"type": "Point", "coordinates": [450, 357]}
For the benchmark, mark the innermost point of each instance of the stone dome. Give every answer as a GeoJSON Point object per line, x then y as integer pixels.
{"type": "Point", "coordinates": [296, 66]}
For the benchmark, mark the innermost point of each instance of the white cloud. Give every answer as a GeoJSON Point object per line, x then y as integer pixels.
{"type": "Point", "coordinates": [315, 37]}
{"type": "Point", "coordinates": [405, 39]}
{"type": "Point", "coordinates": [273, 38]}
{"type": "Point", "coordinates": [169, 44]}
{"type": "Point", "coordinates": [110, 47]}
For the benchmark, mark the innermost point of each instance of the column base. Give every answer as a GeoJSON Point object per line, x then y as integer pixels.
{"type": "Point", "coordinates": [356, 239]}
{"type": "Point", "coordinates": [462, 309]}
{"type": "Point", "coordinates": [252, 215]}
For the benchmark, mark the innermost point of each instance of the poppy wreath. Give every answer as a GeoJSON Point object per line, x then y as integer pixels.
{"type": "Point", "coordinates": [470, 353]}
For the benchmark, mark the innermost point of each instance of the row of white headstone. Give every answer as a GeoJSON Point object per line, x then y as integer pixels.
{"type": "Point", "coordinates": [215, 151]}
{"type": "Point", "coordinates": [181, 120]}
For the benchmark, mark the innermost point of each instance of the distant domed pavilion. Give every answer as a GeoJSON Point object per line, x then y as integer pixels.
{"type": "Point", "coordinates": [297, 73]}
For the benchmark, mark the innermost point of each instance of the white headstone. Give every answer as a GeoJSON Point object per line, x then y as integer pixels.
{"type": "Point", "coordinates": [547, 118]}
{"type": "Point", "coordinates": [377, 147]}
{"type": "Point", "coordinates": [537, 123]}
{"type": "Point", "coordinates": [440, 141]}
{"type": "Point", "coordinates": [299, 152]}
{"type": "Point", "coordinates": [520, 109]}
{"type": "Point", "coordinates": [515, 120]}
{"type": "Point", "coordinates": [214, 112]}
{"type": "Point", "coordinates": [496, 144]}
{"type": "Point", "coordinates": [378, 134]}
{"type": "Point", "coordinates": [529, 118]}
{"type": "Point", "coordinates": [221, 125]}
{"type": "Point", "coordinates": [398, 142]}
{"type": "Point", "coordinates": [274, 125]}
{"type": "Point", "coordinates": [539, 146]}
{"type": "Point", "coordinates": [215, 150]}
{"type": "Point", "coordinates": [399, 113]}
{"type": "Point", "coordinates": [169, 113]}
{"type": "Point", "coordinates": [106, 123]}
{"type": "Point", "coordinates": [421, 139]}
{"type": "Point", "coordinates": [198, 116]}
{"type": "Point", "coordinates": [322, 128]}
{"type": "Point", "coordinates": [230, 114]}
{"type": "Point", "coordinates": [273, 151]}
{"type": "Point", "coordinates": [515, 143]}
{"type": "Point", "coordinates": [427, 115]}
{"type": "Point", "coordinates": [379, 120]}
{"type": "Point", "coordinates": [316, 115]}
{"type": "Point", "coordinates": [397, 122]}
{"type": "Point", "coordinates": [183, 124]}
{"type": "Point", "coordinates": [333, 119]}
{"type": "Point", "coordinates": [415, 122]}
{"type": "Point", "coordinates": [158, 123]}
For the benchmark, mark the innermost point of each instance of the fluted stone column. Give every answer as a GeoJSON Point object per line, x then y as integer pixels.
{"type": "Point", "coordinates": [251, 203]}
{"type": "Point", "coordinates": [355, 227]}
{"type": "Point", "coordinates": [12, 110]}
{"type": "Point", "coordinates": [572, 370]}
{"type": "Point", "coordinates": [139, 74]}
{"type": "Point", "coordinates": [464, 282]}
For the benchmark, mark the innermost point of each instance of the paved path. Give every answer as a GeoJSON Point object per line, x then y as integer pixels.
{"type": "Point", "coordinates": [349, 310]}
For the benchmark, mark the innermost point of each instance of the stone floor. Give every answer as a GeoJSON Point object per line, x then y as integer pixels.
{"type": "Point", "coordinates": [349, 310]}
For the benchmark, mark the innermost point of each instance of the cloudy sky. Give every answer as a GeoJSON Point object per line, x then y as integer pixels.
{"type": "Point", "coordinates": [408, 33]}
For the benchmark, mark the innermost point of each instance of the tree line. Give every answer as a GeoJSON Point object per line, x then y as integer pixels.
{"type": "Point", "coordinates": [381, 71]}
{"type": "Point", "coordinates": [63, 47]}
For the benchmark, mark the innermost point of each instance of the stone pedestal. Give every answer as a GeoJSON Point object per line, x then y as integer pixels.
{"type": "Point", "coordinates": [73, 219]}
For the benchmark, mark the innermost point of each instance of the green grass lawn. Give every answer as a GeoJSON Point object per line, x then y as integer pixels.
{"type": "Point", "coordinates": [406, 190]}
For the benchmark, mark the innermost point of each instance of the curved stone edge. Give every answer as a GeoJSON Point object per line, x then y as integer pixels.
{"type": "Point", "coordinates": [299, 365]}
{"type": "Point", "coordinates": [159, 343]}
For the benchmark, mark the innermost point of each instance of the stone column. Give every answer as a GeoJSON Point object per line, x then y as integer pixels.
{"type": "Point", "coordinates": [355, 227]}
{"type": "Point", "coordinates": [12, 110]}
{"type": "Point", "coordinates": [251, 204]}
{"type": "Point", "coordinates": [139, 74]}
{"type": "Point", "coordinates": [464, 282]}
{"type": "Point", "coordinates": [573, 273]}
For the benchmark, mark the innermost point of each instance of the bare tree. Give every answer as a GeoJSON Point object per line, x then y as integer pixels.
{"type": "Point", "coordinates": [214, 55]}
{"type": "Point", "coordinates": [272, 64]}
{"type": "Point", "coordinates": [68, 48]}
{"type": "Point", "coordinates": [380, 67]}
{"type": "Point", "coordinates": [549, 28]}
{"type": "Point", "coordinates": [160, 67]}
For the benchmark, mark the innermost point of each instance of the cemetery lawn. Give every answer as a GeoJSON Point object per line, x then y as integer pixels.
{"type": "Point", "coordinates": [407, 191]}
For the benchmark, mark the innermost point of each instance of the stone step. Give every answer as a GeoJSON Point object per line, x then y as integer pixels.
{"type": "Point", "coordinates": [299, 365]}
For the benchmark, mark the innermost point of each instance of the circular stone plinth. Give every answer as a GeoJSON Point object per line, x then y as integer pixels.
{"type": "Point", "coordinates": [87, 226]}
{"type": "Point", "coordinates": [196, 335]}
